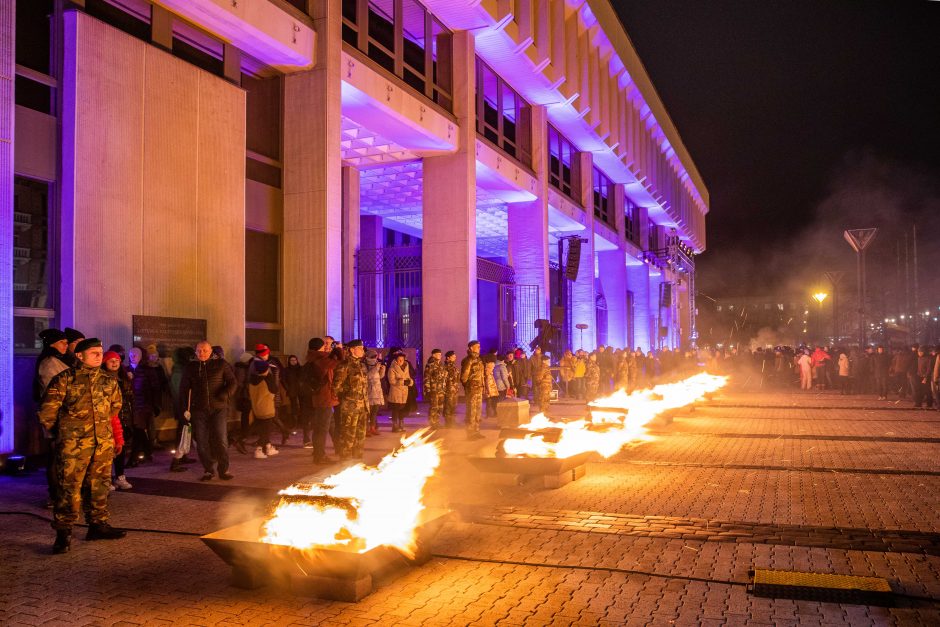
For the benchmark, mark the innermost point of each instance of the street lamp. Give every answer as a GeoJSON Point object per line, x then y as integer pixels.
{"type": "Point", "coordinates": [819, 297]}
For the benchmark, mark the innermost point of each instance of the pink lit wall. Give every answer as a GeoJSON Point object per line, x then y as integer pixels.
{"type": "Point", "coordinates": [7, 60]}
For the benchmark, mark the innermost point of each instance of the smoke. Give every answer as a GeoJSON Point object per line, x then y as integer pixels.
{"type": "Point", "coordinates": [768, 338]}
{"type": "Point", "coordinates": [864, 191]}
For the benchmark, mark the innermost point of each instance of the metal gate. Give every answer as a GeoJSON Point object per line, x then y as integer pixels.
{"type": "Point", "coordinates": [519, 307]}
{"type": "Point", "coordinates": [388, 304]}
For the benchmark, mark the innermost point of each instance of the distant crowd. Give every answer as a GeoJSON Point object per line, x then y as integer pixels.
{"type": "Point", "coordinates": [906, 373]}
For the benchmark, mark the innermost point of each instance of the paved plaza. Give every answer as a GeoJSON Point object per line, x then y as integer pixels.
{"type": "Point", "coordinates": [664, 533]}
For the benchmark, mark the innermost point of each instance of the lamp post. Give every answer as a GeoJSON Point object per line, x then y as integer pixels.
{"type": "Point", "coordinates": [819, 297]}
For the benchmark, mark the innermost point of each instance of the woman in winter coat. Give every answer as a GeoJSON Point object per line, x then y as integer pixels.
{"type": "Point", "coordinates": [262, 390]}
{"type": "Point", "coordinates": [150, 385]}
{"type": "Point", "coordinates": [844, 372]}
{"type": "Point", "coordinates": [111, 366]}
{"type": "Point", "coordinates": [490, 389]}
{"type": "Point", "coordinates": [502, 377]}
{"type": "Point", "coordinates": [375, 372]}
{"type": "Point", "coordinates": [399, 382]}
{"type": "Point", "coordinates": [293, 374]}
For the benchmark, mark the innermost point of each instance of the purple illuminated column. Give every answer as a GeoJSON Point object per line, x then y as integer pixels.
{"type": "Point", "coordinates": [7, 70]}
{"type": "Point", "coordinates": [613, 276]}
{"type": "Point", "coordinates": [350, 248]}
{"type": "Point", "coordinates": [638, 282]}
{"type": "Point", "coordinates": [448, 250]}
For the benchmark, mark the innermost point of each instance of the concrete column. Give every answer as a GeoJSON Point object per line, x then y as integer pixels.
{"type": "Point", "coordinates": [583, 305]}
{"type": "Point", "coordinates": [350, 248]}
{"type": "Point", "coordinates": [313, 216]}
{"type": "Point", "coordinates": [448, 254]}
{"type": "Point", "coordinates": [528, 221]}
{"type": "Point", "coordinates": [613, 276]}
{"type": "Point", "coordinates": [7, 74]}
{"type": "Point", "coordinates": [638, 282]}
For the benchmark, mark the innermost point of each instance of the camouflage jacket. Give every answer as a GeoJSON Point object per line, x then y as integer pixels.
{"type": "Point", "coordinates": [79, 403]}
{"type": "Point", "coordinates": [451, 378]}
{"type": "Point", "coordinates": [435, 377]}
{"type": "Point", "coordinates": [592, 374]}
{"type": "Point", "coordinates": [351, 382]}
{"type": "Point", "coordinates": [472, 372]}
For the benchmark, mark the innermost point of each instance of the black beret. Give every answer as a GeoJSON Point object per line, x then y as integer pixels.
{"type": "Point", "coordinates": [472, 342]}
{"type": "Point", "coordinates": [315, 344]}
{"type": "Point", "coordinates": [354, 344]}
{"type": "Point", "coordinates": [449, 353]}
{"type": "Point", "coordinates": [84, 345]}
{"type": "Point", "coordinates": [435, 351]}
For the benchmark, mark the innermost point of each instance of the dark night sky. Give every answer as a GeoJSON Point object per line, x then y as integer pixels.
{"type": "Point", "coordinates": [789, 107]}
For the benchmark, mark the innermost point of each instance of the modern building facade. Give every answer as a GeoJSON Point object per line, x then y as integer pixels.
{"type": "Point", "coordinates": [412, 172]}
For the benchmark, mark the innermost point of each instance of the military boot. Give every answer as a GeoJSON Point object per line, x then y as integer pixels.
{"type": "Point", "coordinates": [63, 541]}
{"type": "Point", "coordinates": [104, 531]}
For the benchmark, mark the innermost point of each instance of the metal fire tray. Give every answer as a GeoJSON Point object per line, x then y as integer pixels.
{"type": "Point", "coordinates": [820, 587]}
{"type": "Point", "coordinates": [531, 465]}
{"type": "Point", "coordinates": [331, 573]}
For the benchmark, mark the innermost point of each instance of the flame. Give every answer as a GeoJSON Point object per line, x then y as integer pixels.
{"type": "Point", "coordinates": [361, 507]}
{"type": "Point", "coordinates": [608, 430]}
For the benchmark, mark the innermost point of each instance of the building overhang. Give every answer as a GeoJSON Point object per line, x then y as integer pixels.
{"type": "Point", "coordinates": [259, 28]}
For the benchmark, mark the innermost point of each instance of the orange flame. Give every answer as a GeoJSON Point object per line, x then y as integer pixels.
{"type": "Point", "coordinates": [361, 507]}
{"type": "Point", "coordinates": [609, 430]}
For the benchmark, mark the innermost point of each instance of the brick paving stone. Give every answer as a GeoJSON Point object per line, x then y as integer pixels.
{"type": "Point", "coordinates": [750, 481]}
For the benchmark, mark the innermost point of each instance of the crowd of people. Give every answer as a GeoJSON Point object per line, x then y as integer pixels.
{"type": "Point", "coordinates": [100, 409]}
{"type": "Point", "coordinates": [907, 373]}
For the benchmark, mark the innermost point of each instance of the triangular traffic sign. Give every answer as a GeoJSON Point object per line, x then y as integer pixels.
{"type": "Point", "coordinates": [859, 239]}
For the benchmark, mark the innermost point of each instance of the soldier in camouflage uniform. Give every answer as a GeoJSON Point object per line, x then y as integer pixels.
{"type": "Point", "coordinates": [451, 388]}
{"type": "Point", "coordinates": [544, 385]}
{"type": "Point", "coordinates": [434, 383]}
{"type": "Point", "coordinates": [351, 386]}
{"type": "Point", "coordinates": [472, 377]}
{"type": "Point", "coordinates": [592, 378]}
{"type": "Point", "coordinates": [77, 408]}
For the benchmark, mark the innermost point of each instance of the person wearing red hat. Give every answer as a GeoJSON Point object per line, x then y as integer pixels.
{"type": "Point", "coordinates": [123, 422]}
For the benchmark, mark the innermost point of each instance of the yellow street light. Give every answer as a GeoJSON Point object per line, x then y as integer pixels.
{"type": "Point", "coordinates": [820, 297]}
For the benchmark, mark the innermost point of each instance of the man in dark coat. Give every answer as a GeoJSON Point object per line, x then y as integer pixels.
{"type": "Point", "coordinates": [317, 380]}
{"type": "Point", "coordinates": [206, 388]}
{"type": "Point", "coordinates": [881, 368]}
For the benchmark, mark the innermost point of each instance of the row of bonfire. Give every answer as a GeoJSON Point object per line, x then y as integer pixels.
{"type": "Point", "coordinates": [364, 507]}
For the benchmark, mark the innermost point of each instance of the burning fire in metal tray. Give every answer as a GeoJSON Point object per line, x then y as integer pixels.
{"type": "Point", "coordinates": [361, 507]}
{"type": "Point", "coordinates": [615, 421]}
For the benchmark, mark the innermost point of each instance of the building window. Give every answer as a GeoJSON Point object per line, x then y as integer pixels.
{"type": "Point", "coordinates": [631, 221]}
{"type": "Point", "coordinates": [32, 281]}
{"type": "Point", "coordinates": [602, 198]}
{"type": "Point", "coordinates": [504, 118]}
{"type": "Point", "coordinates": [406, 40]}
{"type": "Point", "coordinates": [262, 277]}
{"type": "Point", "coordinates": [561, 159]}
{"type": "Point", "coordinates": [33, 296]}
{"type": "Point", "coordinates": [652, 242]}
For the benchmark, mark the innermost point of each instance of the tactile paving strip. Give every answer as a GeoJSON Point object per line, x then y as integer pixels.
{"type": "Point", "coordinates": [820, 587]}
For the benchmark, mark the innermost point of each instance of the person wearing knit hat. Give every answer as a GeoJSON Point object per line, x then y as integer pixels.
{"type": "Point", "coordinates": [315, 344]}
{"type": "Point", "coordinates": [84, 399]}
{"type": "Point", "coordinates": [123, 423]}
{"type": "Point", "coordinates": [50, 362]}
{"type": "Point", "coordinates": [451, 388]}
{"type": "Point", "coordinates": [150, 386]}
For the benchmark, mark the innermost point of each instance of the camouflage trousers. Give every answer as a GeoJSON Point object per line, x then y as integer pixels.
{"type": "Point", "coordinates": [82, 463]}
{"type": "Point", "coordinates": [450, 408]}
{"type": "Point", "coordinates": [354, 419]}
{"type": "Point", "coordinates": [590, 390]}
{"type": "Point", "coordinates": [474, 407]}
{"type": "Point", "coordinates": [544, 397]}
{"type": "Point", "coordinates": [435, 407]}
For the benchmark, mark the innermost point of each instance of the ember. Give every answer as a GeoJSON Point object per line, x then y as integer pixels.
{"type": "Point", "coordinates": [615, 421]}
{"type": "Point", "coordinates": [361, 507]}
